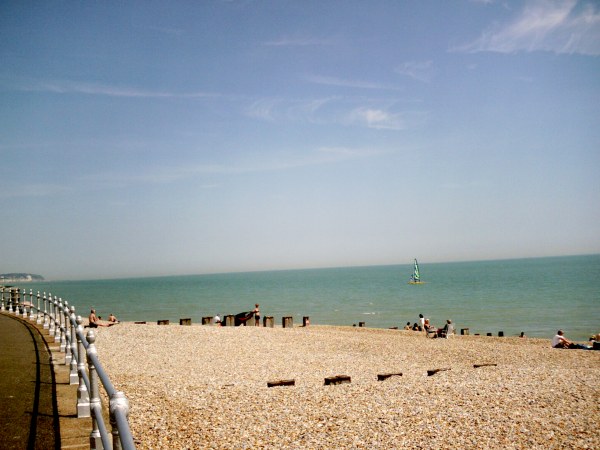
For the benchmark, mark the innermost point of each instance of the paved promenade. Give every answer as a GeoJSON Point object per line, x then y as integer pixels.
{"type": "Point", "coordinates": [36, 401]}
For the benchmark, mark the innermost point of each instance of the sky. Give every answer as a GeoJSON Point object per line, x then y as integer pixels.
{"type": "Point", "coordinates": [158, 138]}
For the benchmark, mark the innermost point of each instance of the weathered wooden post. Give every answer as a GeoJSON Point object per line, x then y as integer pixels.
{"type": "Point", "coordinates": [207, 320]}
{"type": "Point", "coordinates": [187, 321]}
{"type": "Point", "coordinates": [500, 333]}
{"type": "Point", "coordinates": [162, 322]}
{"type": "Point", "coordinates": [287, 322]}
{"type": "Point", "coordinates": [338, 379]}
{"type": "Point", "coordinates": [434, 371]}
{"type": "Point", "coordinates": [361, 324]}
{"type": "Point", "coordinates": [488, 334]}
{"type": "Point", "coordinates": [229, 320]}
{"type": "Point", "coordinates": [281, 383]}
{"type": "Point", "coordinates": [268, 321]}
{"type": "Point", "coordinates": [305, 321]}
{"type": "Point", "coordinates": [464, 331]}
{"type": "Point", "coordinates": [385, 376]}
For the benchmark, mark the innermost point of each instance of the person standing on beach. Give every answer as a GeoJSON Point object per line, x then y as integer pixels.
{"type": "Point", "coordinates": [422, 322]}
{"type": "Point", "coordinates": [256, 312]}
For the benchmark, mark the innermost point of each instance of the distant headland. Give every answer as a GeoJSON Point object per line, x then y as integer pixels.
{"type": "Point", "coordinates": [19, 277]}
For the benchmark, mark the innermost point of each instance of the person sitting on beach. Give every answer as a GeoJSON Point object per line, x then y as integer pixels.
{"type": "Point", "coordinates": [94, 321]}
{"type": "Point", "coordinates": [112, 318]}
{"type": "Point", "coordinates": [429, 328]}
{"type": "Point", "coordinates": [407, 326]}
{"type": "Point", "coordinates": [416, 327]}
{"type": "Point", "coordinates": [560, 341]}
{"type": "Point", "coordinates": [217, 320]}
{"type": "Point", "coordinates": [448, 329]}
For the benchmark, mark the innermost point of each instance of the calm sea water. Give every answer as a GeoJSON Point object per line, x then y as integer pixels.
{"type": "Point", "coordinates": [536, 296]}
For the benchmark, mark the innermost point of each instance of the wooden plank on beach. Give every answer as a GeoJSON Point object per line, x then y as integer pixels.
{"type": "Point", "coordinates": [434, 371]}
{"type": "Point", "coordinates": [476, 366]}
{"type": "Point", "coordinates": [338, 379]}
{"type": "Point", "coordinates": [281, 383]}
{"type": "Point", "coordinates": [185, 321]}
{"type": "Point", "coordinates": [140, 323]}
{"type": "Point", "coordinates": [385, 376]}
{"type": "Point", "coordinates": [163, 322]}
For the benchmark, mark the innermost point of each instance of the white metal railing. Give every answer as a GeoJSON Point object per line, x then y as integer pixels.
{"type": "Point", "coordinates": [82, 357]}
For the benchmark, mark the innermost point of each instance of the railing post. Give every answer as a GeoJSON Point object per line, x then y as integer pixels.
{"type": "Point", "coordinates": [62, 326]}
{"type": "Point", "coordinates": [67, 336]}
{"type": "Point", "coordinates": [50, 315]}
{"type": "Point", "coordinates": [24, 312]}
{"type": "Point", "coordinates": [2, 296]}
{"type": "Point", "coordinates": [83, 396]}
{"type": "Point", "coordinates": [56, 320]}
{"type": "Point", "coordinates": [38, 315]}
{"type": "Point", "coordinates": [46, 321]}
{"type": "Point", "coordinates": [14, 296]}
{"type": "Point", "coordinates": [73, 378]}
{"type": "Point", "coordinates": [31, 307]}
{"type": "Point", "coordinates": [117, 401]}
{"type": "Point", "coordinates": [95, 404]}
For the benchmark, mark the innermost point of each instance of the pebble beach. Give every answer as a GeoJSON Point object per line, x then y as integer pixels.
{"type": "Point", "coordinates": [205, 387]}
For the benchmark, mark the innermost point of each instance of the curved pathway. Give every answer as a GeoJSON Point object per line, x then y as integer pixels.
{"type": "Point", "coordinates": [27, 388]}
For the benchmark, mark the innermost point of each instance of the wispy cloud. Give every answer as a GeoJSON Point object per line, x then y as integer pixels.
{"type": "Point", "coordinates": [161, 174]}
{"type": "Point", "coordinates": [333, 81]}
{"type": "Point", "coordinates": [272, 109]}
{"type": "Point", "coordinates": [380, 114]}
{"type": "Point", "coordinates": [75, 87]}
{"type": "Point", "coordinates": [298, 42]}
{"type": "Point", "coordinates": [417, 70]}
{"type": "Point", "coordinates": [376, 118]}
{"type": "Point", "coordinates": [563, 26]}
{"type": "Point", "coordinates": [22, 190]}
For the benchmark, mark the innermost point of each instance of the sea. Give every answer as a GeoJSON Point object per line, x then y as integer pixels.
{"type": "Point", "coordinates": [536, 296]}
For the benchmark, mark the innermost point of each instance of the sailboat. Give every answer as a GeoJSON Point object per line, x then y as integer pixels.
{"type": "Point", "coordinates": [415, 278]}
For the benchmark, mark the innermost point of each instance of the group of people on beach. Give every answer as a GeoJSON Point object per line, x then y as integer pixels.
{"type": "Point", "coordinates": [94, 321]}
{"type": "Point", "coordinates": [560, 341]}
{"type": "Point", "coordinates": [424, 325]}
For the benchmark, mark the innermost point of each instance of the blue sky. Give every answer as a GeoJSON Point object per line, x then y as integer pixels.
{"type": "Point", "coordinates": [157, 138]}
